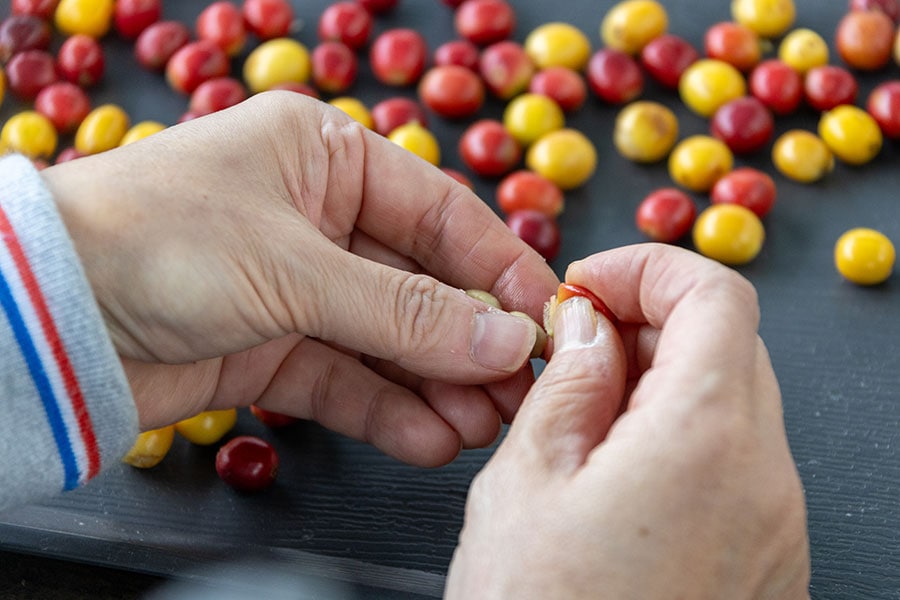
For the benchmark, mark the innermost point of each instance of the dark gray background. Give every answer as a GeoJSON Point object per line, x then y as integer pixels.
{"type": "Point", "coordinates": [343, 510]}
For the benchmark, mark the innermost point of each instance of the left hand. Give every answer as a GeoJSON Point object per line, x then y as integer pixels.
{"type": "Point", "coordinates": [279, 253]}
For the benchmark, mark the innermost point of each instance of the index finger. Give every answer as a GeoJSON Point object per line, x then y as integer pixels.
{"type": "Point", "coordinates": [421, 212]}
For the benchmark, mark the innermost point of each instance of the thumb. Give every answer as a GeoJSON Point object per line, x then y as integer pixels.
{"type": "Point", "coordinates": [427, 327]}
{"type": "Point", "coordinates": [574, 402]}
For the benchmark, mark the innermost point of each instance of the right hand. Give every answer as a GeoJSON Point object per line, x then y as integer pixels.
{"type": "Point", "coordinates": [654, 465]}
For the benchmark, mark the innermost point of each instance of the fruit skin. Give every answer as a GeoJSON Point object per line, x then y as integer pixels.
{"type": "Point", "coordinates": [489, 149]}
{"type": "Point", "coordinates": [829, 86]}
{"type": "Point", "coordinates": [452, 91]}
{"type": "Point", "coordinates": [774, 83]}
{"type": "Point", "coordinates": [505, 68]}
{"type": "Point", "coordinates": [29, 72]}
{"type": "Point", "coordinates": [570, 290]}
{"type": "Point", "coordinates": [802, 49]}
{"type": "Point", "coordinates": [65, 104]}
{"type": "Point", "coordinates": [529, 191]}
{"type": "Point", "coordinates": [631, 24]}
{"type": "Point", "coordinates": [346, 22]}
{"type": "Point", "coordinates": [666, 57]}
{"type": "Point", "coordinates": [889, 7]}
{"type": "Point", "coordinates": [883, 104]}
{"type": "Point", "coordinates": [749, 187]}
{"type": "Point", "coordinates": [131, 17]}
{"type": "Point", "coordinates": [247, 463]}
{"type": "Point", "coordinates": [864, 256]}
{"type": "Point", "coordinates": [529, 116]}
{"type": "Point", "coordinates": [558, 45]}
{"type": "Point", "coordinates": [708, 84]}
{"type": "Point", "coordinates": [29, 133]}
{"type": "Point", "coordinates": [334, 67]}
{"type": "Point", "coordinates": [851, 134]}
{"type": "Point", "coordinates": [208, 427]}
{"type": "Point", "coordinates": [419, 141]}
{"type": "Point", "coordinates": [614, 76]}
{"type": "Point", "coordinates": [272, 419]}
{"type": "Point", "coordinates": [457, 52]}
{"type": "Point", "coordinates": [156, 44]}
{"type": "Point", "coordinates": [698, 161]}
{"type": "Point", "coordinates": [274, 62]}
{"type": "Point", "coordinates": [268, 19]}
{"type": "Point", "coordinates": [139, 131]}
{"type": "Point", "coordinates": [537, 230]}
{"type": "Point", "coordinates": [81, 60]}
{"type": "Point", "coordinates": [194, 63]}
{"type": "Point", "coordinates": [379, 7]}
{"type": "Point", "coordinates": [802, 156]}
{"type": "Point", "coordinates": [768, 18]}
{"type": "Point", "coordinates": [744, 124]}
{"type": "Point", "coordinates": [565, 86]}
{"type": "Point", "coordinates": [23, 32]}
{"type": "Point", "coordinates": [728, 233]}
{"type": "Point", "coordinates": [566, 157]}
{"type": "Point", "coordinates": [150, 447]}
{"type": "Point", "coordinates": [398, 56]}
{"type": "Point", "coordinates": [484, 22]}
{"type": "Point", "coordinates": [864, 39]}
{"type": "Point", "coordinates": [222, 23]}
{"type": "Point", "coordinates": [216, 94]}
{"type": "Point", "coordinates": [42, 9]}
{"type": "Point", "coordinates": [734, 43]}
{"type": "Point", "coordinates": [391, 113]}
{"type": "Point", "coordinates": [90, 17]}
{"type": "Point", "coordinates": [355, 108]}
{"type": "Point", "coordinates": [645, 131]}
{"type": "Point", "coordinates": [665, 215]}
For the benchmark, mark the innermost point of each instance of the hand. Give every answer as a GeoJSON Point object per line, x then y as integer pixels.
{"type": "Point", "coordinates": [280, 253]}
{"type": "Point", "coordinates": [649, 466]}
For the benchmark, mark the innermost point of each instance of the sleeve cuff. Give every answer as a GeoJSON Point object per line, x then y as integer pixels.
{"type": "Point", "coordinates": [66, 402]}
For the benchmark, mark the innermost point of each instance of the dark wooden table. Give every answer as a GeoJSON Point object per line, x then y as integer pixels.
{"type": "Point", "coordinates": [346, 513]}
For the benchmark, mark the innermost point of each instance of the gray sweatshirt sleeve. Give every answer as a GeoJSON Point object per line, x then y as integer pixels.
{"type": "Point", "coordinates": [65, 406]}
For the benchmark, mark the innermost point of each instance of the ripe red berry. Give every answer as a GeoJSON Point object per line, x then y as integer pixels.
{"type": "Point", "coordinates": [665, 215]}
{"type": "Point", "coordinates": [777, 85]}
{"type": "Point", "coordinates": [744, 124]}
{"type": "Point", "coordinates": [828, 86]}
{"type": "Point", "coordinates": [347, 22]}
{"type": "Point", "coordinates": [223, 24]}
{"type": "Point", "coordinates": [457, 52]}
{"type": "Point", "coordinates": [334, 67]}
{"type": "Point", "coordinates": [156, 44]}
{"type": "Point", "coordinates": [247, 463]}
{"type": "Point", "coordinates": [65, 104]}
{"type": "Point", "coordinates": [489, 149]}
{"type": "Point", "coordinates": [391, 113]}
{"type": "Point", "coordinates": [452, 91]}
{"type": "Point", "coordinates": [537, 230]}
{"type": "Point", "coordinates": [28, 72]}
{"type": "Point", "coordinates": [194, 63]}
{"type": "Point", "coordinates": [749, 187]}
{"type": "Point", "coordinates": [614, 76]}
{"type": "Point", "coordinates": [566, 86]}
{"type": "Point", "coordinates": [484, 22]}
{"type": "Point", "coordinates": [216, 94]}
{"type": "Point", "coordinates": [81, 60]}
{"type": "Point", "coordinates": [398, 56]}
{"type": "Point", "coordinates": [666, 57]}
{"type": "Point", "coordinates": [131, 17]}
{"type": "Point", "coordinates": [268, 19]}
{"type": "Point", "coordinates": [884, 106]}
{"type": "Point", "coordinates": [23, 32]}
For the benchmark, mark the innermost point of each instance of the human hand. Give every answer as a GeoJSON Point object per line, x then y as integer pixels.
{"type": "Point", "coordinates": [280, 253]}
{"type": "Point", "coordinates": [651, 465]}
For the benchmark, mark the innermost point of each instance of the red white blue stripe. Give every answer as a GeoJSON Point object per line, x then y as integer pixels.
{"type": "Point", "coordinates": [51, 371]}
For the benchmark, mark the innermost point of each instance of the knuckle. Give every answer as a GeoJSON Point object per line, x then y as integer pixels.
{"type": "Point", "coordinates": [419, 308]}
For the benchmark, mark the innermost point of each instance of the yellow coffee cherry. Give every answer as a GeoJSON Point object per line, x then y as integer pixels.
{"type": "Point", "coordinates": [710, 83]}
{"type": "Point", "coordinates": [208, 427]}
{"type": "Point", "coordinates": [89, 17]}
{"type": "Point", "coordinates": [355, 108]}
{"type": "Point", "coordinates": [417, 140]}
{"type": "Point", "coordinates": [802, 156]}
{"type": "Point", "coordinates": [565, 156]}
{"type": "Point", "coordinates": [645, 131]}
{"type": "Point", "coordinates": [729, 233]}
{"type": "Point", "coordinates": [275, 61]}
{"type": "Point", "coordinates": [851, 134]}
{"type": "Point", "coordinates": [141, 130]}
{"type": "Point", "coordinates": [864, 256]}
{"type": "Point", "coordinates": [699, 161]}
{"type": "Point", "coordinates": [102, 129]}
{"type": "Point", "coordinates": [768, 18]}
{"type": "Point", "coordinates": [150, 447]}
{"type": "Point", "coordinates": [558, 45]}
{"type": "Point", "coordinates": [529, 116]}
{"type": "Point", "coordinates": [803, 49]}
{"type": "Point", "coordinates": [29, 133]}
{"type": "Point", "coordinates": [629, 25]}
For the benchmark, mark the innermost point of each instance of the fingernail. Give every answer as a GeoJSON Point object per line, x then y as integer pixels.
{"type": "Point", "coordinates": [575, 325]}
{"type": "Point", "coordinates": [501, 341]}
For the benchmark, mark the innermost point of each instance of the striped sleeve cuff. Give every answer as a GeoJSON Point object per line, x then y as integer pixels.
{"type": "Point", "coordinates": [66, 404]}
